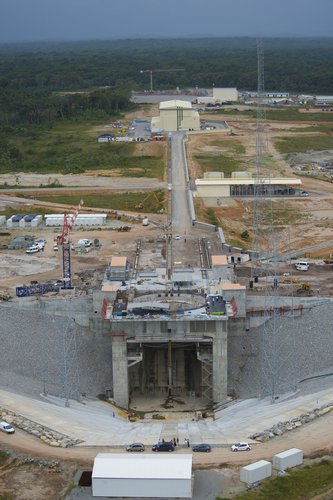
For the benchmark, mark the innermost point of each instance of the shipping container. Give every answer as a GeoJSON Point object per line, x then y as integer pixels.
{"type": "Point", "coordinates": [288, 459]}
{"type": "Point", "coordinates": [255, 472]}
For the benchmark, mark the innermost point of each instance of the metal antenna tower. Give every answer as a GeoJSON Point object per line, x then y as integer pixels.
{"type": "Point", "coordinates": [276, 340]}
{"type": "Point", "coordinates": [262, 203]}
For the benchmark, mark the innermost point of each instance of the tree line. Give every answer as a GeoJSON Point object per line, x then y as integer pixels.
{"type": "Point", "coordinates": [294, 65]}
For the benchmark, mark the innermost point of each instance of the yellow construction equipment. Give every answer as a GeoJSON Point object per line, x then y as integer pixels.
{"type": "Point", "coordinates": [290, 279]}
{"type": "Point", "coordinates": [305, 288]}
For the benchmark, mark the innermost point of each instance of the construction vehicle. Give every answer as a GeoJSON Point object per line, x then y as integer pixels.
{"type": "Point", "coordinates": [290, 279]}
{"type": "Point", "coordinates": [305, 289]}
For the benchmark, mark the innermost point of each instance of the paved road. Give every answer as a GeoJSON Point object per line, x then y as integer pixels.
{"type": "Point", "coordinates": [181, 220]}
{"type": "Point", "coordinates": [303, 250]}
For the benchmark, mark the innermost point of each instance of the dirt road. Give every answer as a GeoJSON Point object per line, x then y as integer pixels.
{"type": "Point", "coordinates": [314, 439]}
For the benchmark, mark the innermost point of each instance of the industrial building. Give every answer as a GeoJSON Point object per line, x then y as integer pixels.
{"type": "Point", "coordinates": [22, 221]}
{"type": "Point", "coordinates": [175, 115]}
{"type": "Point", "coordinates": [324, 99]}
{"type": "Point", "coordinates": [224, 94]}
{"type": "Point", "coordinates": [214, 185]}
{"type": "Point", "coordinates": [143, 476]}
{"type": "Point", "coordinates": [81, 219]}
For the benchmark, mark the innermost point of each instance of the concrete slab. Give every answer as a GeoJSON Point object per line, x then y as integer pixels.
{"type": "Point", "coordinates": [93, 421]}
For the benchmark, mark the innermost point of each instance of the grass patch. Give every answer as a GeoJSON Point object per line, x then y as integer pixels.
{"type": "Point", "coordinates": [3, 457]}
{"type": "Point", "coordinates": [232, 146]}
{"type": "Point", "coordinates": [219, 162]}
{"type": "Point", "coordinates": [302, 483]}
{"type": "Point", "coordinates": [30, 209]}
{"type": "Point", "coordinates": [304, 144]}
{"type": "Point", "coordinates": [145, 201]}
{"type": "Point", "coordinates": [288, 114]}
{"type": "Point", "coordinates": [211, 217]}
{"type": "Point", "coordinates": [72, 147]}
{"type": "Point", "coordinates": [283, 216]}
{"type": "Point", "coordinates": [237, 243]}
{"type": "Point", "coordinates": [328, 129]}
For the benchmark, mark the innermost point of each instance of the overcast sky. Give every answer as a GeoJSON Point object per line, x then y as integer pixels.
{"type": "Point", "coordinates": [33, 20]}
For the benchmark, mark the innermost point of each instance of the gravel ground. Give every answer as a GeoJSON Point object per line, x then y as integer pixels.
{"type": "Point", "coordinates": [35, 356]}
{"type": "Point", "coordinates": [261, 363]}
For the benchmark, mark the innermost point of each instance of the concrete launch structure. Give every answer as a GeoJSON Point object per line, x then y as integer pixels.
{"type": "Point", "coordinates": [172, 341]}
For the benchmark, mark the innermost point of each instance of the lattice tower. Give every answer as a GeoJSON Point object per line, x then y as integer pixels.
{"type": "Point", "coordinates": [277, 342]}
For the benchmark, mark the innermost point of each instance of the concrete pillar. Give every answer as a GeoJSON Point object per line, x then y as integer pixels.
{"type": "Point", "coordinates": [120, 369]}
{"type": "Point", "coordinates": [220, 362]}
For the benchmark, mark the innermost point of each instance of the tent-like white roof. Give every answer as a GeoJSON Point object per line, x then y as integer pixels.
{"type": "Point", "coordinates": [126, 466]}
{"type": "Point", "coordinates": [175, 103]}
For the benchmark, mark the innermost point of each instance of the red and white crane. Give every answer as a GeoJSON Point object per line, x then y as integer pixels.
{"type": "Point", "coordinates": [63, 240]}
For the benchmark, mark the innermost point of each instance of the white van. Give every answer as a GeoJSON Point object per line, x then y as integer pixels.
{"type": "Point", "coordinates": [84, 243]}
{"type": "Point", "coordinates": [302, 265]}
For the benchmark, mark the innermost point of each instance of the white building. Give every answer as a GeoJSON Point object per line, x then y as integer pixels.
{"type": "Point", "coordinates": [81, 220]}
{"type": "Point", "coordinates": [218, 187]}
{"type": "Point", "coordinates": [176, 115]}
{"type": "Point", "coordinates": [225, 94]}
{"type": "Point", "coordinates": [152, 476]}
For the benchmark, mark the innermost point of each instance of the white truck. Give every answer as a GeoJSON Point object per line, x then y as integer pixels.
{"type": "Point", "coordinates": [302, 265]}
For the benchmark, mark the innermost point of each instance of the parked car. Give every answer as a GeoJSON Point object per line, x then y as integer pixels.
{"type": "Point", "coordinates": [85, 242]}
{"type": "Point", "coordinates": [177, 237]}
{"type": "Point", "coordinates": [5, 427]}
{"type": "Point", "coordinates": [241, 447]}
{"type": "Point", "coordinates": [40, 243]}
{"type": "Point", "coordinates": [166, 446]}
{"type": "Point", "coordinates": [55, 247]}
{"type": "Point", "coordinates": [304, 193]}
{"type": "Point", "coordinates": [202, 447]}
{"type": "Point", "coordinates": [33, 249]}
{"type": "Point", "coordinates": [136, 447]}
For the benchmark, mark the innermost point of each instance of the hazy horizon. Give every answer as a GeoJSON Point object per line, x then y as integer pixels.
{"type": "Point", "coordinates": [83, 20]}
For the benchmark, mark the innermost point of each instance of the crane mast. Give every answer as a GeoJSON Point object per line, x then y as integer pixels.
{"type": "Point", "coordinates": [151, 71]}
{"type": "Point", "coordinates": [64, 241]}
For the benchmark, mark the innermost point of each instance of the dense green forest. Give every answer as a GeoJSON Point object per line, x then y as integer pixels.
{"type": "Point", "coordinates": [44, 85]}
{"type": "Point", "coordinates": [294, 65]}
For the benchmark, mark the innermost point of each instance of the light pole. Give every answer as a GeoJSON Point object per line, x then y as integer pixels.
{"type": "Point", "coordinates": [151, 77]}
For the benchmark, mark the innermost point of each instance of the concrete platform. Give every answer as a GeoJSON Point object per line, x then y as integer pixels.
{"type": "Point", "coordinates": [93, 421]}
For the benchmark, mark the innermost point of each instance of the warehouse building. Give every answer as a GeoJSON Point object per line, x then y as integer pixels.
{"type": "Point", "coordinates": [176, 115]}
{"type": "Point", "coordinates": [214, 185]}
{"type": "Point", "coordinates": [225, 94]}
{"type": "Point", "coordinates": [144, 476]}
{"type": "Point", "coordinates": [81, 219]}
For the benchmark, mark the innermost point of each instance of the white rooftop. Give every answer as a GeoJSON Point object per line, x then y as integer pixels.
{"type": "Point", "coordinates": [248, 182]}
{"type": "Point", "coordinates": [123, 466]}
{"type": "Point", "coordinates": [175, 103]}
